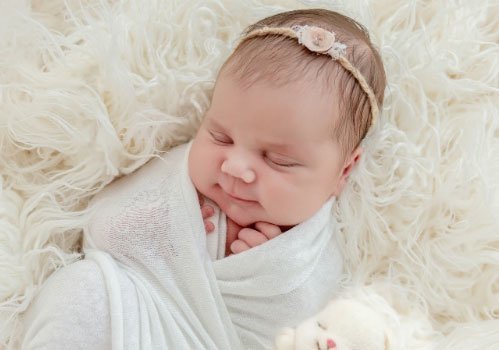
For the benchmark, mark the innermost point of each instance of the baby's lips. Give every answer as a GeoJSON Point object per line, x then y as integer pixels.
{"type": "Point", "coordinates": [331, 344]}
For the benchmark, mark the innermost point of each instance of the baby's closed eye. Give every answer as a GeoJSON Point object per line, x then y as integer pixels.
{"type": "Point", "coordinates": [281, 161]}
{"type": "Point", "coordinates": [220, 138]}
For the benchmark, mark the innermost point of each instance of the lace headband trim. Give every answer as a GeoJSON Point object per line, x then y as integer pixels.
{"type": "Point", "coordinates": [322, 41]}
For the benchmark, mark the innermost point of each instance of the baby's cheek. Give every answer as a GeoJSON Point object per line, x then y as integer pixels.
{"type": "Point", "coordinates": [203, 163]}
{"type": "Point", "coordinates": [279, 195]}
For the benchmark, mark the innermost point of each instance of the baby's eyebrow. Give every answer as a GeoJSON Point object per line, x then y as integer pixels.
{"type": "Point", "coordinates": [282, 146]}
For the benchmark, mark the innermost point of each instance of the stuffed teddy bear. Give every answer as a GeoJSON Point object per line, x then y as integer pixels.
{"type": "Point", "coordinates": [345, 324]}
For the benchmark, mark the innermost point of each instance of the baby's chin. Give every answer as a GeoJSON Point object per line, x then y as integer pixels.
{"type": "Point", "coordinates": [237, 215]}
{"type": "Point", "coordinates": [230, 210]}
{"type": "Point", "coordinates": [242, 218]}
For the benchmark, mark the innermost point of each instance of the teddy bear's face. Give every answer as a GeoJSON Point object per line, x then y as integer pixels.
{"type": "Point", "coordinates": [343, 325]}
{"type": "Point", "coordinates": [310, 335]}
{"type": "Point", "coordinates": [316, 334]}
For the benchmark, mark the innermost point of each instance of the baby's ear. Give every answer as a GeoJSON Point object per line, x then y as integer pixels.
{"type": "Point", "coordinates": [350, 162]}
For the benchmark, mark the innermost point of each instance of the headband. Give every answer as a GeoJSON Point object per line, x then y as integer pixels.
{"type": "Point", "coordinates": [322, 41]}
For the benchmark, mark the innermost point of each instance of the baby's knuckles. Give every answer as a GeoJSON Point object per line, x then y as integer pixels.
{"type": "Point", "coordinates": [269, 230]}
{"type": "Point", "coordinates": [252, 237]}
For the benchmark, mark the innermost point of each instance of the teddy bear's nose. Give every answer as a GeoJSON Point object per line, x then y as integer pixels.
{"type": "Point", "coordinates": [331, 344]}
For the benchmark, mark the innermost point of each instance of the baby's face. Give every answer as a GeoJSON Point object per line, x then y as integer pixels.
{"type": "Point", "coordinates": [266, 153]}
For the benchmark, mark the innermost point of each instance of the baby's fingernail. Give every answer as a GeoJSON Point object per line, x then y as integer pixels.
{"type": "Point", "coordinates": [234, 248]}
{"type": "Point", "coordinates": [209, 226]}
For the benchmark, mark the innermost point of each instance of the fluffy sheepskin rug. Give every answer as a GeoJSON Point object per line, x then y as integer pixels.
{"type": "Point", "coordinates": [90, 89]}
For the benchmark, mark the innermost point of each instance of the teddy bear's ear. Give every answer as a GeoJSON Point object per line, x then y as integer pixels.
{"type": "Point", "coordinates": [285, 340]}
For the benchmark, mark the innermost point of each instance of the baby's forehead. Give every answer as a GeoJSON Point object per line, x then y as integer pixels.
{"type": "Point", "coordinates": [304, 96]}
{"type": "Point", "coordinates": [271, 115]}
{"type": "Point", "coordinates": [319, 75]}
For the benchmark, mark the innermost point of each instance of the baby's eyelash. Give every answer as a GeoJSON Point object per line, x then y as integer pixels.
{"type": "Point", "coordinates": [220, 138]}
{"type": "Point", "coordinates": [321, 325]}
{"type": "Point", "coordinates": [223, 139]}
{"type": "Point", "coordinates": [283, 163]}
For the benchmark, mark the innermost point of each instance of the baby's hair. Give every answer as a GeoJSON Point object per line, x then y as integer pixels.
{"type": "Point", "coordinates": [280, 60]}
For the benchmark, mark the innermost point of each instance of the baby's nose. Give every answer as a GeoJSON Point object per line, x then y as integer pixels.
{"type": "Point", "coordinates": [238, 168]}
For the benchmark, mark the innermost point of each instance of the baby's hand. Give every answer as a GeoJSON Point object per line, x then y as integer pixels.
{"type": "Point", "coordinates": [207, 211]}
{"type": "Point", "coordinates": [248, 237]}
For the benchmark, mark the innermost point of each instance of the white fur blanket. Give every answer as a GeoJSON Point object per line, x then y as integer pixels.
{"type": "Point", "coordinates": [89, 90]}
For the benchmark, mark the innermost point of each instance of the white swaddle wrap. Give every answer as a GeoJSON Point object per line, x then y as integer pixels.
{"type": "Point", "coordinates": [171, 289]}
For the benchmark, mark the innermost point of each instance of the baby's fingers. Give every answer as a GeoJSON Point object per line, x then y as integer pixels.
{"type": "Point", "coordinates": [252, 237]}
{"type": "Point", "coordinates": [209, 226]}
{"type": "Point", "coordinates": [269, 230]}
{"type": "Point", "coordinates": [207, 211]}
{"type": "Point", "coordinates": [239, 246]}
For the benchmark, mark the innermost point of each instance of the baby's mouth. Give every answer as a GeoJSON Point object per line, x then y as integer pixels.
{"type": "Point", "coordinates": [237, 198]}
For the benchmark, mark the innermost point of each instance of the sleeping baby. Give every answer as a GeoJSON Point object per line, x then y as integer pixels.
{"type": "Point", "coordinates": [290, 108]}
{"type": "Point", "coordinates": [280, 139]}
